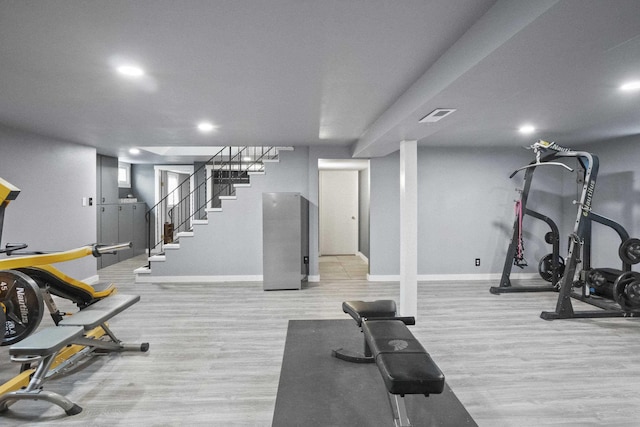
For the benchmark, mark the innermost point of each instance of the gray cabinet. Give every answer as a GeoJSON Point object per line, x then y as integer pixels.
{"type": "Point", "coordinates": [107, 180]}
{"type": "Point", "coordinates": [285, 240]}
{"type": "Point", "coordinates": [119, 223]}
{"type": "Point", "coordinates": [107, 232]}
{"type": "Point", "coordinates": [125, 229]}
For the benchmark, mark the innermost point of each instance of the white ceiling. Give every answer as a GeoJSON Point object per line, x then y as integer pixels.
{"type": "Point", "coordinates": [357, 73]}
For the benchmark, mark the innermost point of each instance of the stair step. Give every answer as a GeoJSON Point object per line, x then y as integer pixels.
{"type": "Point", "coordinates": [185, 234]}
{"type": "Point", "coordinates": [242, 185]}
{"type": "Point", "coordinates": [157, 258]}
{"type": "Point", "coordinates": [200, 222]}
{"type": "Point", "coordinates": [271, 161]}
{"type": "Point", "coordinates": [284, 148]}
{"type": "Point", "coordinates": [142, 270]}
{"type": "Point", "coordinates": [227, 197]}
{"type": "Point", "coordinates": [213, 210]}
{"type": "Point", "coordinates": [256, 173]}
{"type": "Point", "coordinates": [171, 246]}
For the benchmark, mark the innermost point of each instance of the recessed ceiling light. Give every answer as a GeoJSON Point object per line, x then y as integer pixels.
{"type": "Point", "coordinates": [130, 71]}
{"type": "Point", "coordinates": [527, 129]}
{"type": "Point", "coordinates": [205, 127]}
{"type": "Point", "coordinates": [134, 151]}
{"type": "Point", "coordinates": [437, 114]}
{"type": "Point", "coordinates": [630, 86]}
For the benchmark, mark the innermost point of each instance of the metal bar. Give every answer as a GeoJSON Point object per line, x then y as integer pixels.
{"type": "Point", "coordinates": [563, 305]}
{"type": "Point", "coordinates": [400, 417]}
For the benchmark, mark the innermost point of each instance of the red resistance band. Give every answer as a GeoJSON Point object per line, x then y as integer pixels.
{"type": "Point", "coordinates": [518, 259]}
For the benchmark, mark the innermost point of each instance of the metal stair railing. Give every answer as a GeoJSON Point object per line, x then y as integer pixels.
{"type": "Point", "coordinates": [176, 211]}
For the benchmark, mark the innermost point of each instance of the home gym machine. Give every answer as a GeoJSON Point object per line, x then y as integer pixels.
{"type": "Point", "coordinates": [615, 292]}
{"type": "Point", "coordinates": [27, 283]}
{"type": "Point", "coordinates": [551, 266]}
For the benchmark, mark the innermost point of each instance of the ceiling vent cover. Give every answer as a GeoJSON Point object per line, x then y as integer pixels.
{"type": "Point", "coordinates": [437, 114]}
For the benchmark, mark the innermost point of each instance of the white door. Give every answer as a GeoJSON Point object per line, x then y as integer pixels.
{"type": "Point", "coordinates": [338, 212]}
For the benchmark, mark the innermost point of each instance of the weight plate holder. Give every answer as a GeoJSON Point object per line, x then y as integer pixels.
{"type": "Point", "coordinates": [545, 267]}
{"type": "Point", "coordinates": [629, 251]}
{"type": "Point", "coordinates": [22, 302]}
{"type": "Point", "coordinates": [626, 291]}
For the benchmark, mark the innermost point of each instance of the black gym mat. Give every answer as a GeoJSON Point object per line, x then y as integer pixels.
{"type": "Point", "coordinates": [317, 389]}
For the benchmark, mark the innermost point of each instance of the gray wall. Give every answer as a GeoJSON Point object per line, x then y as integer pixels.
{"type": "Point", "coordinates": [143, 183]}
{"type": "Point", "coordinates": [465, 202]}
{"type": "Point", "coordinates": [465, 210]}
{"type": "Point", "coordinates": [53, 177]}
{"type": "Point", "coordinates": [233, 243]}
{"type": "Point", "coordinates": [384, 217]}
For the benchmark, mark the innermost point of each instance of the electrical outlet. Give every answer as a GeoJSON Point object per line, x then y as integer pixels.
{"type": "Point", "coordinates": [477, 262]}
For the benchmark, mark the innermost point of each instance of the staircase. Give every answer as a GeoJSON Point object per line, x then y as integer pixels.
{"type": "Point", "coordinates": [208, 228]}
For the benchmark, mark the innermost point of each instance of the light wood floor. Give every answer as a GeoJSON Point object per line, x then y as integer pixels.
{"type": "Point", "coordinates": [342, 267]}
{"type": "Point", "coordinates": [216, 352]}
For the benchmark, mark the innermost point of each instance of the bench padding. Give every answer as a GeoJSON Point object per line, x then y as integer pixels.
{"type": "Point", "coordinates": [46, 341]}
{"type": "Point", "coordinates": [369, 309]}
{"type": "Point", "coordinates": [101, 311]}
{"type": "Point", "coordinates": [80, 293]}
{"type": "Point", "coordinates": [404, 364]}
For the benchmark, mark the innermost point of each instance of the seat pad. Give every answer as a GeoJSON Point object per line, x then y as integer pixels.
{"type": "Point", "coordinates": [404, 364]}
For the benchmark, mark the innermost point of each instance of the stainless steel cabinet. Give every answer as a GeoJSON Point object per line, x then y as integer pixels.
{"type": "Point", "coordinates": [285, 240]}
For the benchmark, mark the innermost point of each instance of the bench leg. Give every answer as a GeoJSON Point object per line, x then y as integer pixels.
{"type": "Point", "coordinates": [34, 391]}
{"type": "Point", "coordinates": [115, 345]}
{"type": "Point", "coordinates": [69, 407]}
{"type": "Point", "coordinates": [353, 357]}
{"type": "Point", "coordinates": [400, 417]}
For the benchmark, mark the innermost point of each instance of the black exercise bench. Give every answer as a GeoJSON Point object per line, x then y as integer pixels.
{"type": "Point", "coordinates": [57, 348]}
{"type": "Point", "coordinates": [404, 364]}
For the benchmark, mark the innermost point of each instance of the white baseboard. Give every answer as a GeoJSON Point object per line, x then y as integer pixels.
{"type": "Point", "coordinates": [452, 277]}
{"type": "Point", "coordinates": [383, 277]}
{"type": "Point", "coordinates": [364, 258]}
{"type": "Point", "coordinates": [196, 279]}
{"type": "Point", "coordinates": [145, 278]}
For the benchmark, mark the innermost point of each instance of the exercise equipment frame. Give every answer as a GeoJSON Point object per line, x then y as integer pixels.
{"type": "Point", "coordinates": [505, 280]}
{"type": "Point", "coordinates": [579, 252]}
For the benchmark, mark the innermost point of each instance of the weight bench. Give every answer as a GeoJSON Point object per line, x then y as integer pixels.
{"type": "Point", "coordinates": [360, 311]}
{"type": "Point", "coordinates": [57, 348]}
{"type": "Point", "coordinates": [404, 364]}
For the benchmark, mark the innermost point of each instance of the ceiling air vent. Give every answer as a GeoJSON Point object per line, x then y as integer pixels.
{"type": "Point", "coordinates": [437, 114]}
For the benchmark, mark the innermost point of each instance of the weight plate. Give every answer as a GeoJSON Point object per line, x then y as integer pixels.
{"type": "Point", "coordinates": [548, 237]}
{"type": "Point", "coordinates": [626, 290]}
{"type": "Point", "coordinates": [545, 267]}
{"type": "Point", "coordinates": [596, 279]}
{"type": "Point", "coordinates": [23, 303]}
{"type": "Point", "coordinates": [629, 251]}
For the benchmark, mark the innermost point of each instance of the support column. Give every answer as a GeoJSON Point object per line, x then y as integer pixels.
{"type": "Point", "coordinates": [409, 228]}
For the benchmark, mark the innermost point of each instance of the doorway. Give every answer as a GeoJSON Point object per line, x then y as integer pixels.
{"type": "Point", "coordinates": [343, 214]}
{"type": "Point", "coordinates": [338, 212]}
